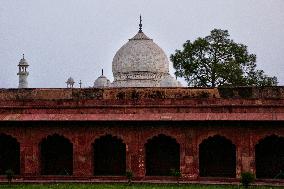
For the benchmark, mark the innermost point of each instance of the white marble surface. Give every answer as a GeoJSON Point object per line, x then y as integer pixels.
{"type": "Point", "coordinates": [139, 63]}
{"type": "Point", "coordinates": [102, 82]}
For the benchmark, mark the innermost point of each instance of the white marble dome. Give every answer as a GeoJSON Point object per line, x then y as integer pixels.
{"type": "Point", "coordinates": [139, 63]}
{"type": "Point", "coordinates": [101, 82]}
{"type": "Point", "coordinates": [169, 81]}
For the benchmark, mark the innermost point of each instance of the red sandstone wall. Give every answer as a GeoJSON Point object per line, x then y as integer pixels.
{"type": "Point", "coordinates": [156, 104]}
{"type": "Point", "coordinates": [189, 137]}
{"type": "Point", "coordinates": [244, 103]}
{"type": "Point", "coordinates": [141, 93]}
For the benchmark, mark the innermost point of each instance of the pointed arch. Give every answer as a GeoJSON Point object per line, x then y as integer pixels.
{"type": "Point", "coordinates": [9, 154]}
{"type": "Point", "coordinates": [269, 157]}
{"type": "Point", "coordinates": [217, 157]}
{"type": "Point", "coordinates": [56, 153]}
{"type": "Point", "coordinates": [109, 156]}
{"type": "Point", "coordinates": [162, 155]}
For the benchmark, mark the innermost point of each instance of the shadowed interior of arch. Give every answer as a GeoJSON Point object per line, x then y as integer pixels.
{"type": "Point", "coordinates": [109, 156]}
{"type": "Point", "coordinates": [56, 156]}
{"type": "Point", "coordinates": [217, 157]}
{"type": "Point", "coordinates": [269, 158]}
{"type": "Point", "coordinates": [9, 154]}
{"type": "Point", "coordinates": [162, 156]}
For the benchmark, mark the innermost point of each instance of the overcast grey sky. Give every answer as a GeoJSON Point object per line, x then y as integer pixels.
{"type": "Point", "coordinates": [62, 38]}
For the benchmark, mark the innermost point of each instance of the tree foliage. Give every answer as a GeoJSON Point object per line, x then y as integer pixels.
{"type": "Point", "coordinates": [217, 60]}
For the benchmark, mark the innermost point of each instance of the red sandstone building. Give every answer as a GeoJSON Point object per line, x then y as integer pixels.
{"type": "Point", "coordinates": [143, 122]}
{"type": "Point", "coordinates": [93, 133]}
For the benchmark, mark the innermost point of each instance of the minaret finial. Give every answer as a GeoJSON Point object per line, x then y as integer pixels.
{"type": "Point", "coordinates": [140, 24]}
{"type": "Point", "coordinates": [80, 83]}
{"type": "Point", "coordinates": [23, 56]}
{"type": "Point", "coordinates": [102, 71]}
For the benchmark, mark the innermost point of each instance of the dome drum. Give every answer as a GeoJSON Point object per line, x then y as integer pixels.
{"type": "Point", "coordinates": [136, 83]}
{"type": "Point", "coordinates": [139, 76]}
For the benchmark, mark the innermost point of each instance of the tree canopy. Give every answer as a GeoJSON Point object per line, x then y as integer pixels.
{"type": "Point", "coordinates": [216, 60]}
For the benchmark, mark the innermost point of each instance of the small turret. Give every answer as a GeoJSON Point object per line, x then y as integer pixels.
{"type": "Point", "coordinates": [23, 73]}
{"type": "Point", "coordinates": [70, 82]}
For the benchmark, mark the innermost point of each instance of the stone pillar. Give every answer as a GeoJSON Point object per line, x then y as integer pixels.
{"type": "Point", "coordinates": [248, 164]}
{"type": "Point", "coordinates": [189, 160]}
{"type": "Point", "coordinates": [29, 157]}
{"type": "Point", "coordinates": [139, 162]}
{"type": "Point", "coordinates": [245, 155]}
{"type": "Point", "coordinates": [239, 162]}
{"type": "Point", "coordinates": [82, 157]}
{"type": "Point", "coordinates": [136, 160]}
{"type": "Point", "coordinates": [128, 157]}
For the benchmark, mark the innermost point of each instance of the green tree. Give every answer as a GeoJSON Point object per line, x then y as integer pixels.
{"type": "Point", "coordinates": [217, 60]}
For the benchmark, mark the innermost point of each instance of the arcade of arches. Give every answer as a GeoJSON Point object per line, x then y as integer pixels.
{"type": "Point", "coordinates": [148, 152]}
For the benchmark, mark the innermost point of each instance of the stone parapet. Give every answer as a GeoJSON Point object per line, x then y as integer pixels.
{"type": "Point", "coordinates": [243, 103]}
{"type": "Point", "coordinates": [142, 93]}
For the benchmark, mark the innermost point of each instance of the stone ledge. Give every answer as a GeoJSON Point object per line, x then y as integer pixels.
{"type": "Point", "coordinates": [146, 117]}
{"type": "Point", "coordinates": [142, 93]}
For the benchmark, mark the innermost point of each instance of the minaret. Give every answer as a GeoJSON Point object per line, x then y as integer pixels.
{"type": "Point", "coordinates": [23, 73]}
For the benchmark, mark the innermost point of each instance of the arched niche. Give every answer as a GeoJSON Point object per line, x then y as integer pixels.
{"type": "Point", "coordinates": [269, 157]}
{"type": "Point", "coordinates": [9, 154]}
{"type": "Point", "coordinates": [109, 156]}
{"type": "Point", "coordinates": [217, 157]}
{"type": "Point", "coordinates": [56, 156]}
{"type": "Point", "coordinates": [162, 156]}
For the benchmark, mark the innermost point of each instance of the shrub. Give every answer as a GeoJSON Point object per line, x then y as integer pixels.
{"type": "Point", "coordinates": [176, 173]}
{"type": "Point", "coordinates": [129, 175]}
{"type": "Point", "coordinates": [9, 175]}
{"type": "Point", "coordinates": [247, 178]}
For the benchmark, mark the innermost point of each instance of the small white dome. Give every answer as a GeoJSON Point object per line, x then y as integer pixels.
{"type": "Point", "coordinates": [101, 82]}
{"type": "Point", "coordinates": [169, 81]}
{"type": "Point", "coordinates": [23, 62]}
